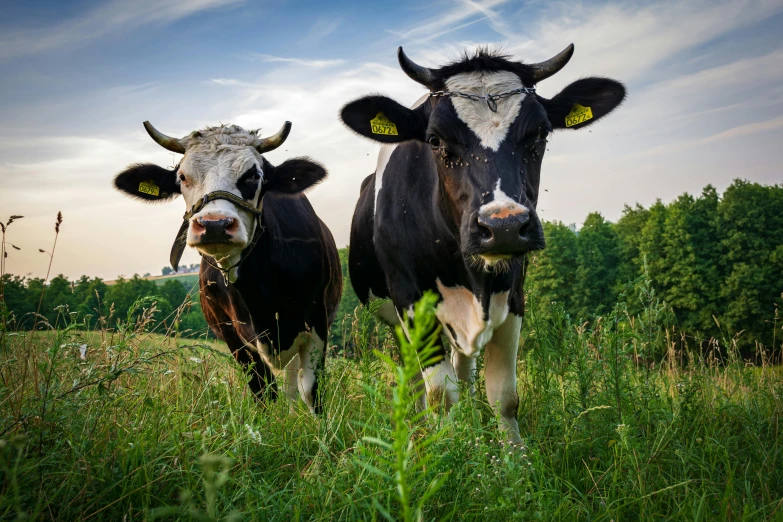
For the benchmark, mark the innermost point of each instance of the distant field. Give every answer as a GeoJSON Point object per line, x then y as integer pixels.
{"type": "Point", "coordinates": [160, 279]}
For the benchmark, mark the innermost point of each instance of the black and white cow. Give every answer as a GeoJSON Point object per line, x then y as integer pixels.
{"type": "Point", "coordinates": [451, 206]}
{"type": "Point", "coordinates": [270, 275]}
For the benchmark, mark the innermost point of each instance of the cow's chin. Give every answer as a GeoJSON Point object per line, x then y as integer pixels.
{"type": "Point", "coordinates": [225, 254]}
{"type": "Point", "coordinates": [496, 263]}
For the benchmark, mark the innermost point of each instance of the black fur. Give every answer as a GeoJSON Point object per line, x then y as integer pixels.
{"type": "Point", "coordinates": [357, 115]}
{"type": "Point", "coordinates": [484, 60]}
{"type": "Point", "coordinates": [602, 95]}
{"type": "Point", "coordinates": [293, 176]}
{"type": "Point", "coordinates": [291, 281]}
{"type": "Point", "coordinates": [128, 181]}
{"type": "Point", "coordinates": [425, 228]}
{"type": "Point", "coordinates": [248, 183]}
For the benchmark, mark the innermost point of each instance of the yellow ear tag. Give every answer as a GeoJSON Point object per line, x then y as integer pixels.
{"type": "Point", "coordinates": [578, 115]}
{"type": "Point", "coordinates": [148, 187]}
{"type": "Point", "coordinates": [383, 125]}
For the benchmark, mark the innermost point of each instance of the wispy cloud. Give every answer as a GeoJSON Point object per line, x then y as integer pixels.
{"type": "Point", "coordinates": [100, 21]}
{"type": "Point", "coordinates": [301, 62]}
{"type": "Point", "coordinates": [461, 15]}
{"type": "Point", "coordinates": [321, 29]}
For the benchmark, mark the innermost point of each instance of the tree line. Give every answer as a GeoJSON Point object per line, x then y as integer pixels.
{"type": "Point", "coordinates": [100, 304]}
{"type": "Point", "coordinates": [715, 260]}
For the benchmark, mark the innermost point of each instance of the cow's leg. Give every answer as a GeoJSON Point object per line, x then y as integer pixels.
{"type": "Point", "coordinates": [440, 381]}
{"type": "Point", "coordinates": [437, 380]}
{"type": "Point", "coordinates": [262, 381]}
{"type": "Point", "coordinates": [291, 376]}
{"type": "Point", "coordinates": [501, 375]}
{"type": "Point", "coordinates": [279, 363]}
{"type": "Point", "coordinates": [312, 361]}
{"type": "Point", "coordinates": [465, 368]}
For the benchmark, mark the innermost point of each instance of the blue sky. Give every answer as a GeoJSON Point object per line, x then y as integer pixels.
{"type": "Point", "coordinates": [77, 78]}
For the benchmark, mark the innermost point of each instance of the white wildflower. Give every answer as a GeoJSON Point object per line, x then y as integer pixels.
{"type": "Point", "coordinates": [255, 436]}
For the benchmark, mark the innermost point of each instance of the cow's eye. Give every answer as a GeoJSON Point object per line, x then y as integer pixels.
{"type": "Point", "coordinates": [434, 142]}
{"type": "Point", "coordinates": [182, 178]}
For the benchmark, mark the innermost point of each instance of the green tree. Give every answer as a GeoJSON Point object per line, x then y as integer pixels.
{"type": "Point", "coordinates": [553, 271]}
{"type": "Point", "coordinates": [751, 231]}
{"type": "Point", "coordinates": [598, 259]}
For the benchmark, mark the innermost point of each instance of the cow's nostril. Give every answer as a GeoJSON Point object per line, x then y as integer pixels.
{"type": "Point", "coordinates": [524, 225]}
{"type": "Point", "coordinates": [486, 233]}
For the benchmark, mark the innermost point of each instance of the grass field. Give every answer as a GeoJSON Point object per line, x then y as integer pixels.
{"type": "Point", "coordinates": [126, 425]}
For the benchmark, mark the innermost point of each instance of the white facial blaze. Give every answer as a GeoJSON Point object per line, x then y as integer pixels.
{"type": "Point", "coordinates": [490, 127]}
{"type": "Point", "coordinates": [215, 159]}
{"type": "Point", "coordinates": [462, 312]}
{"type": "Point", "coordinates": [502, 205]}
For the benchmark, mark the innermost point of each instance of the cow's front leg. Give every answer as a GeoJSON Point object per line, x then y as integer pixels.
{"type": "Point", "coordinates": [311, 366]}
{"type": "Point", "coordinates": [440, 381]}
{"type": "Point", "coordinates": [283, 363]}
{"type": "Point", "coordinates": [291, 377]}
{"type": "Point", "coordinates": [501, 375]}
{"type": "Point", "coordinates": [465, 368]}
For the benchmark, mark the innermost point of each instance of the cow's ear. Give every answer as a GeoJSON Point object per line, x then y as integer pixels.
{"type": "Point", "coordinates": [383, 119]}
{"type": "Point", "coordinates": [148, 182]}
{"type": "Point", "coordinates": [293, 176]}
{"type": "Point", "coordinates": [583, 102]}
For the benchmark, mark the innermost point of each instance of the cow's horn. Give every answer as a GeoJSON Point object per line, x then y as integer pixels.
{"type": "Point", "coordinates": [543, 70]}
{"type": "Point", "coordinates": [167, 142]}
{"type": "Point", "coordinates": [272, 142]}
{"type": "Point", "coordinates": [416, 72]}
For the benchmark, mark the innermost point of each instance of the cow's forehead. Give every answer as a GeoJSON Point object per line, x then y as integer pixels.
{"type": "Point", "coordinates": [489, 127]}
{"type": "Point", "coordinates": [224, 151]}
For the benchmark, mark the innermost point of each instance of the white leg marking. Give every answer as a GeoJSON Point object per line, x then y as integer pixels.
{"type": "Point", "coordinates": [465, 368]}
{"type": "Point", "coordinates": [441, 383]}
{"type": "Point", "coordinates": [291, 376]}
{"type": "Point", "coordinates": [278, 362]}
{"type": "Point", "coordinates": [385, 311]}
{"type": "Point", "coordinates": [311, 356]}
{"type": "Point", "coordinates": [417, 383]}
{"type": "Point", "coordinates": [501, 376]}
{"type": "Point", "coordinates": [490, 127]}
{"type": "Point", "coordinates": [463, 318]}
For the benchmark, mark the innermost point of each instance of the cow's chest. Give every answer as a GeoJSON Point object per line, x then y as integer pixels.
{"type": "Point", "coordinates": [465, 323]}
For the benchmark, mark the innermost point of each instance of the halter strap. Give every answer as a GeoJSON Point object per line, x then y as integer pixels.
{"type": "Point", "coordinates": [490, 99]}
{"type": "Point", "coordinates": [180, 242]}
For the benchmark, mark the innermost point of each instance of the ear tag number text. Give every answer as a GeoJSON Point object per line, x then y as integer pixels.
{"type": "Point", "coordinates": [148, 187]}
{"type": "Point", "coordinates": [578, 114]}
{"type": "Point", "coordinates": [383, 125]}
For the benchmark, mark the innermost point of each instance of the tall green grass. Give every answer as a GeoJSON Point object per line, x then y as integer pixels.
{"type": "Point", "coordinates": [620, 423]}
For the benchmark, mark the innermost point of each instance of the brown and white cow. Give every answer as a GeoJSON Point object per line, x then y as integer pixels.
{"type": "Point", "coordinates": [270, 275]}
{"type": "Point", "coordinates": [451, 206]}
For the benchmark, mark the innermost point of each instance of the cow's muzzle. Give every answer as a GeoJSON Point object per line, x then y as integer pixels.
{"type": "Point", "coordinates": [504, 231]}
{"type": "Point", "coordinates": [214, 230]}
